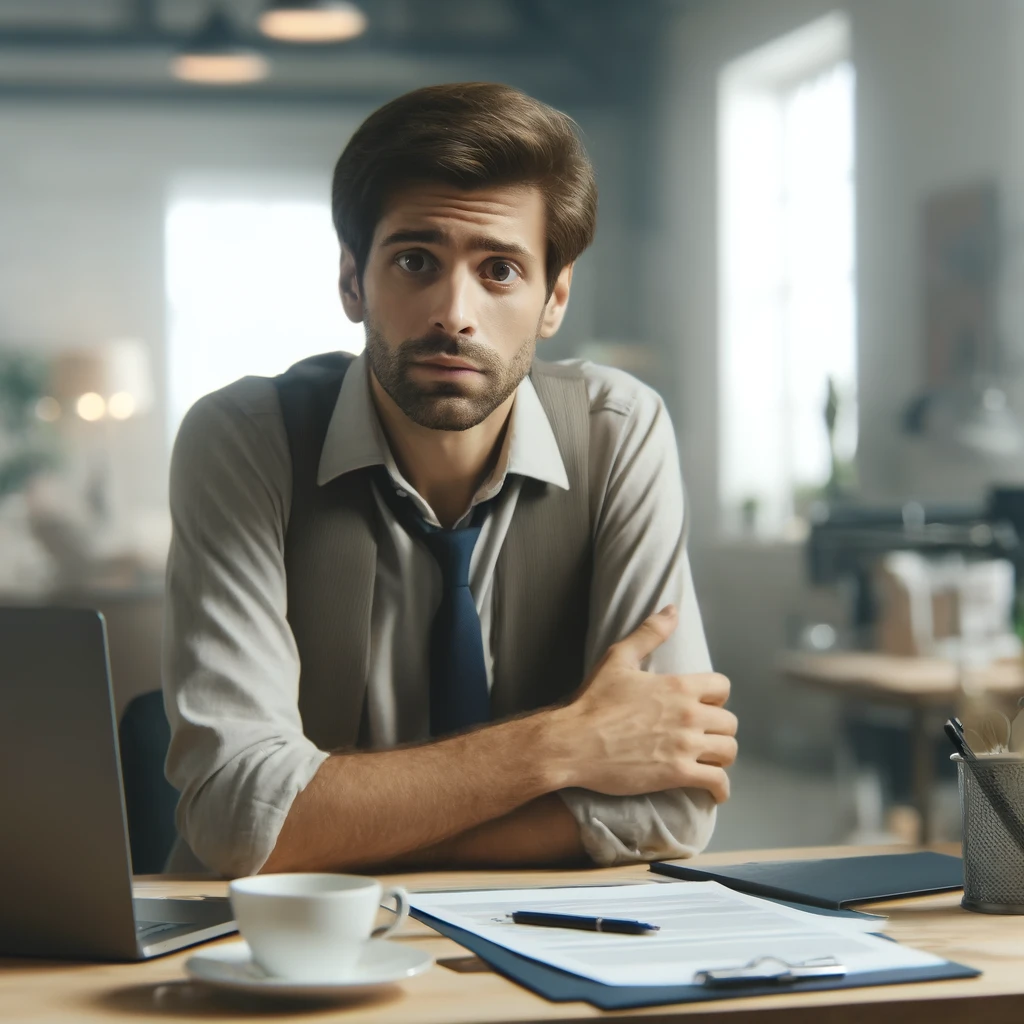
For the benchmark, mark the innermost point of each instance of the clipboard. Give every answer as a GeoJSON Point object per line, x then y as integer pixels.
{"type": "Point", "coordinates": [560, 986]}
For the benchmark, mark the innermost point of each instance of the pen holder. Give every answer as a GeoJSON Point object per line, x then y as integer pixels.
{"type": "Point", "coordinates": [993, 862]}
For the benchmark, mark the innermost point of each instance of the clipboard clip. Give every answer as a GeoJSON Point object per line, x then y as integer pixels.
{"type": "Point", "coordinates": [771, 970]}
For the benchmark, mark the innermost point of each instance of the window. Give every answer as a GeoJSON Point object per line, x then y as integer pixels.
{"type": "Point", "coordinates": [252, 287]}
{"type": "Point", "coordinates": [787, 276]}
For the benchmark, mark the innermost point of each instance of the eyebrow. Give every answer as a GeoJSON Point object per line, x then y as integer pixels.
{"type": "Point", "coordinates": [434, 236]}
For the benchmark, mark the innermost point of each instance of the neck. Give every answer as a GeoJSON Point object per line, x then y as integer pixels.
{"type": "Point", "coordinates": [445, 466]}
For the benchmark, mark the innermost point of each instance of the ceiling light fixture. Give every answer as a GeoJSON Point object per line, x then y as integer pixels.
{"type": "Point", "coordinates": [215, 56]}
{"type": "Point", "coordinates": [312, 21]}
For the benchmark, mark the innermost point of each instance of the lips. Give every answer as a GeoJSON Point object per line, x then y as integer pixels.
{"type": "Point", "coordinates": [449, 363]}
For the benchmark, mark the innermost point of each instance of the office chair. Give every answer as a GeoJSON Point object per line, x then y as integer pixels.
{"type": "Point", "coordinates": [150, 800]}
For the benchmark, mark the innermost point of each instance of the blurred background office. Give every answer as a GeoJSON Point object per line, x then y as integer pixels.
{"type": "Point", "coordinates": [811, 242]}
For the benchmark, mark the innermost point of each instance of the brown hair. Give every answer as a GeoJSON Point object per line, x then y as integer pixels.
{"type": "Point", "coordinates": [470, 135]}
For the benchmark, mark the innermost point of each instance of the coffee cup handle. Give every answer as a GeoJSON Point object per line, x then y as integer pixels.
{"type": "Point", "coordinates": [401, 911]}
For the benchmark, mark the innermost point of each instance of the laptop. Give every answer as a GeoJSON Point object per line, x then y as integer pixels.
{"type": "Point", "coordinates": [65, 865]}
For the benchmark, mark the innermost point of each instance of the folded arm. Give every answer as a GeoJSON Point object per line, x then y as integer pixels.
{"type": "Point", "coordinates": [257, 794]}
{"type": "Point", "coordinates": [640, 565]}
{"type": "Point", "coordinates": [252, 785]}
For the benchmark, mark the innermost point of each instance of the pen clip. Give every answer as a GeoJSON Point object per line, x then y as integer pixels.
{"type": "Point", "coordinates": [771, 970]}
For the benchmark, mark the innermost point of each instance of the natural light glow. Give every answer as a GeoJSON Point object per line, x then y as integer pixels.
{"type": "Point", "coordinates": [323, 22]}
{"type": "Point", "coordinates": [788, 312]}
{"type": "Point", "coordinates": [220, 68]}
{"type": "Point", "coordinates": [121, 406]}
{"type": "Point", "coordinates": [91, 406]}
{"type": "Point", "coordinates": [48, 409]}
{"type": "Point", "coordinates": [252, 287]}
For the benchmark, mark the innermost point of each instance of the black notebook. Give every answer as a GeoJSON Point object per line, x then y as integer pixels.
{"type": "Point", "coordinates": [833, 884]}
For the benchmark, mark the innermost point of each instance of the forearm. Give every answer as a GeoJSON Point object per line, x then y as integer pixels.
{"type": "Point", "coordinates": [373, 808]}
{"type": "Point", "coordinates": [542, 833]}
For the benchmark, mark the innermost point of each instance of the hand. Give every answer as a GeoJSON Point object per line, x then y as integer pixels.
{"type": "Point", "coordinates": [628, 731]}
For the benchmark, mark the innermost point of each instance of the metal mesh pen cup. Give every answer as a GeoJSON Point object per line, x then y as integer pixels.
{"type": "Point", "coordinates": [993, 862]}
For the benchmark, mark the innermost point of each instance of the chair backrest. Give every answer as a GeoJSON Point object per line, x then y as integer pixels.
{"type": "Point", "coordinates": [150, 800]}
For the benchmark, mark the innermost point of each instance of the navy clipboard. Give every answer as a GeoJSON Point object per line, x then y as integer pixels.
{"type": "Point", "coordinates": [562, 987]}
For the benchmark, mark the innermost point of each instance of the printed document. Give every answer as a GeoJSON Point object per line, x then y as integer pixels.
{"type": "Point", "coordinates": [703, 926]}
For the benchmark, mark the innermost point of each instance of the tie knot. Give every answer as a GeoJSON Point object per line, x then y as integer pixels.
{"type": "Point", "coordinates": [452, 549]}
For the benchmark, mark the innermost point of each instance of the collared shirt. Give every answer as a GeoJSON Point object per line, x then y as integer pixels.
{"type": "Point", "coordinates": [231, 667]}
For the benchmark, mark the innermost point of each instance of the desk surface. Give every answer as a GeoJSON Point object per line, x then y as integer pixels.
{"type": "Point", "coordinates": [925, 681]}
{"type": "Point", "coordinates": [158, 989]}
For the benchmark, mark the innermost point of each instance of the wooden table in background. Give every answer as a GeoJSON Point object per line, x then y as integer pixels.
{"type": "Point", "coordinates": [927, 687]}
{"type": "Point", "coordinates": [76, 993]}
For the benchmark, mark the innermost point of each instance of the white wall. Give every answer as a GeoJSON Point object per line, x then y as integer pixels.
{"type": "Point", "coordinates": [939, 102]}
{"type": "Point", "coordinates": [938, 98]}
{"type": "Point", "coordinates": [82, 196]}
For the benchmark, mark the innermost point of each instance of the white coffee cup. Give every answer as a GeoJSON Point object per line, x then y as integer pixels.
{"type": "Point", "coordinates": [311, 926]}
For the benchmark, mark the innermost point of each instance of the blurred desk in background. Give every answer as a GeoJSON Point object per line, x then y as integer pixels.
{"type": "Point", "coordinates": [930, 688]}
{"type": "Point", "coordinates": [134, 617]}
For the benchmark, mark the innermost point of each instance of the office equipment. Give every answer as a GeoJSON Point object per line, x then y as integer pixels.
{"type": "Point", "coordinates": [703, 926]}
{"type": "Point", "coordinates": [64, 856]}
{"type": "Point", "coordinates": [845, 547]}
{"type": "Point", "coordinates": [707, 930]}
{"type": "Point", "coordinates": [832, 883]}
{"type": "Point", "coordinates": [1016, 741]}
{"type": "Point", "coordinates": [40, 992]}
{"type": "Point", "coordinates": [772, 969]}
{"type": "Point", "coordinates": [992, 806]}
{"type": "Point", "coordinates": [846, 541]}
{"type": "Point", "coordinates": [983, 774]}
{"type": "Point", "coordinates": [586, 924]}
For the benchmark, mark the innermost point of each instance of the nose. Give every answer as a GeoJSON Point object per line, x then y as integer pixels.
{"type": "Point", "coordinates": [453, 310]}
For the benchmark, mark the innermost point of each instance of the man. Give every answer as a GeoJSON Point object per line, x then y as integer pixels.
{"type": "Point", "coordinates": [412, 597]}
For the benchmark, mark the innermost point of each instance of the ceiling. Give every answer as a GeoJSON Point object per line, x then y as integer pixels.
{"type": "Point", "coordinates": [594, 50]}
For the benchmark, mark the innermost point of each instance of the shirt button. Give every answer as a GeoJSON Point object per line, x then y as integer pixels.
{"type": "Point", "coordinates": [401, 493]}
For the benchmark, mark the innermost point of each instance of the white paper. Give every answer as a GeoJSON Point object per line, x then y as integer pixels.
{"type": "Point", "coordinates": [703, 925]}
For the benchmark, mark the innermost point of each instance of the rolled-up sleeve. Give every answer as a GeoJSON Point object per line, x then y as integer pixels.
{"type": "Point", "coordinates": [640, 565]}
{"type": "Point", "coordinates": [238, 755]}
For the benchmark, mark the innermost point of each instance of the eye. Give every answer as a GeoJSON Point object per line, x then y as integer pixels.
{"type": "Point", "coordinates": [416, 261]}
{"type": "Point", "coordinates": [502, 271]}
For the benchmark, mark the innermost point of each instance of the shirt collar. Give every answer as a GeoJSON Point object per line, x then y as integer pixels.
{"type": "Point", "coordinates": [355, 438]}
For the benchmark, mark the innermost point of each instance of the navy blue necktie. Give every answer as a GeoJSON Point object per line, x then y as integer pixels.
{"type": "Point", "coordinates": [459, 697]}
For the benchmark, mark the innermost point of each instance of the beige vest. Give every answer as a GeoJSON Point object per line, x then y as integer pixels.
{"type": "Point", "coordinates": [542, 577]}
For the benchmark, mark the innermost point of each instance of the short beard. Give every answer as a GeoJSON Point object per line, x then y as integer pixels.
{"type": "Point", "coordinates": [446, 404]}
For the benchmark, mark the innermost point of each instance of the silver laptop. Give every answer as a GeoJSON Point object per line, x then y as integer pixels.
{"type": "Point", "coordinates": [65, 865]}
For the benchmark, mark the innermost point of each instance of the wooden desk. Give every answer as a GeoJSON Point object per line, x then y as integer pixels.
{"type": "Point", "coordinates": [928, 687]}
{"type": "Point", "coordinates": [159, 990]}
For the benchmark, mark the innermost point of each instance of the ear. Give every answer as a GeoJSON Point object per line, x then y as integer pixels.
{"type": "Point", "coordinates": [350, 288]}
{"type": "Point", "coordinates": [554, 308]}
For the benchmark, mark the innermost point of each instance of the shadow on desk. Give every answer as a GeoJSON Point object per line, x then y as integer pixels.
{"type": "Point", "coordinates": [188, 998]}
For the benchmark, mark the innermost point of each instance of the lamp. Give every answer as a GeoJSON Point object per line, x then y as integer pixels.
{"type": "Point", "coordinates": [108, 381]}
{"type": "Point", "coordinates": [101, 385]}
{"type": "Point", "coordinates": [215, 56]}
{"type": "Point", "coordinates": [312, 21]}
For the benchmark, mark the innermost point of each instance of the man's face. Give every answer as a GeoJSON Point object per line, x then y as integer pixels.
{"type": "Point", "coordinates": [454, 298]}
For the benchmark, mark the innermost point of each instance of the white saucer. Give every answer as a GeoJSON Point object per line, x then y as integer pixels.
{"type": "Point", "coordinates": [231, 966]}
